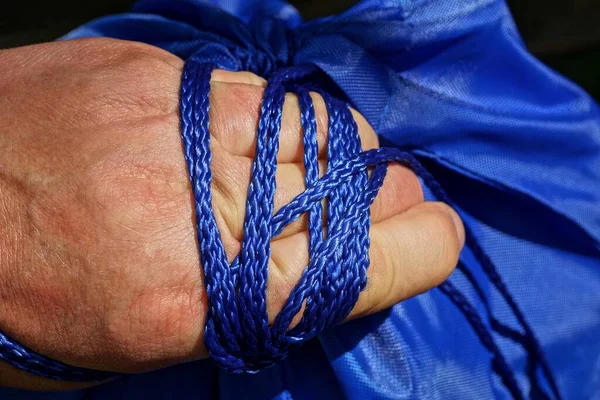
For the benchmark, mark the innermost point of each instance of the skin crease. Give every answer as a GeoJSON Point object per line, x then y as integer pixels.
{"type": "Point", "coordinates": [98, 256]}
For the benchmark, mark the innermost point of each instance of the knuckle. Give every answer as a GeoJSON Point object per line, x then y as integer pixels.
{"type": "Point", "coordinates": [131, 79]}
{"type": "Point", "coordinates": [93, 82]}
{"type": "Point", "coordinates": [401, 190]}
{"type": "Point", "coordinates": [106, 51]}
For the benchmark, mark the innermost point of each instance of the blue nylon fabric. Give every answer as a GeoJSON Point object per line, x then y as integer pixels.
{"type": "Point", "coordinates": [516, 146]}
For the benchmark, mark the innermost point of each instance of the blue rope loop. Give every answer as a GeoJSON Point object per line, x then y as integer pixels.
{"type": "Point", "coordinates": [238, 334]}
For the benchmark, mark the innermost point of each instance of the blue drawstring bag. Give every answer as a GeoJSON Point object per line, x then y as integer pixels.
{"type": "Point", "coordinates": [516, 148]}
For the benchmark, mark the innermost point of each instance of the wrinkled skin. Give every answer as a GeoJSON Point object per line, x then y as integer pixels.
{"type": "Point", "coordinates": [98, 259]}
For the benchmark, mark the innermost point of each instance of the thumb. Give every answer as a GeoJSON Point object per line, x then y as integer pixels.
{"type": "Point", "coordinates": [411, 253]}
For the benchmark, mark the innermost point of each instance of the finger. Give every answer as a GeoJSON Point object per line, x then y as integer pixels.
{"type": "Point", "coordinates": [292, 132]}
{"type": "Point", "coordinates": [400, 191]}
{"type": "Point", "coordinates": [235, 111]}
{"type": "Point", "coordinates": [410, 253]}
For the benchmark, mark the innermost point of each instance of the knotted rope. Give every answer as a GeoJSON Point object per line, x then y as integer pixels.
{"type": "Point", "coordinates": [238, 333]}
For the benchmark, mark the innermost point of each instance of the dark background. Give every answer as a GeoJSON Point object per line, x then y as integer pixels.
{"type": "Point", "coordinates": [565, 34]}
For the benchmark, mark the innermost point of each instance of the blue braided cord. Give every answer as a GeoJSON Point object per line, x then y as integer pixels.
{"type": "Point", "coordinates": [23, 358]}
{"type": "Point", "coordinates": [237, 293]}
{"type": "Point", "coordinates": [510, 333]}
{"type": "Point", "coordinates": [311, 149]}
{"type": "Point", "coordinates": [530, 341]}
{"type": "Point", "coordinates": [329, 286]}
{"type": "Point", "coordinates": [499, 363]}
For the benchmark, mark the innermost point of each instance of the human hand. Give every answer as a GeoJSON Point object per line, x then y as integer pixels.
{"type": "Point", "coordinates": [98, 256]}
